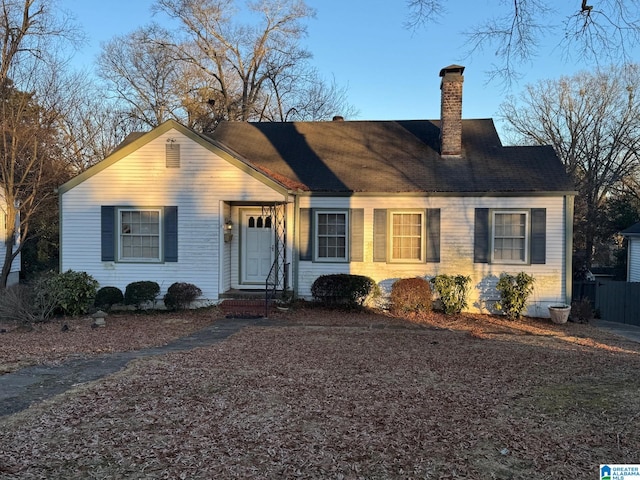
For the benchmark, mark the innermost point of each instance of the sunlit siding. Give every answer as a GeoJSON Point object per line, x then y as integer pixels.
{"type": "Point", "coordinates": [456, 250]}
{"type": "Point", "coordinates": [633, 261]}
{"type": "Point", "coordinates": [141, 179]}
{"type": "Point", "coordinates": [14, 274]}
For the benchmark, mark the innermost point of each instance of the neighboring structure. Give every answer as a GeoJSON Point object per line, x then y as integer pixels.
{"type": "Point", "coordinates": [282, 203]}
{"type": "Point", "coordinates": [14, 275]}
{"type": "Point", "coordinates": [632, 234]}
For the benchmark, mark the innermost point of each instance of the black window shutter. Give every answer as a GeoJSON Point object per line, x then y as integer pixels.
{"type": "Point", "coordinates": [170, 234]}
{"type": "Point", "coordinates": [433, 235]}
{"type": "Point", "coordinates": [107, 233]}
{"type": "Point", "coordinates": [379, 235]}
{"type": "Point", "coordinates": [538, 235]}
{"type": "Point", "coordinates": [481, 236]}
{"type": "Point", "coordinates": [305, 247]}
{"type": "Point", "coordinates": [356, 243]}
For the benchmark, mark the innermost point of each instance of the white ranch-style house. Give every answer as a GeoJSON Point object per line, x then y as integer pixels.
{"type": "Point", "coordinates": [252, 204]}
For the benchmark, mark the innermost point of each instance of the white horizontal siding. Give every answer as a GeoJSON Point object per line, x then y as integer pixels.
{"type": "Point", "coordinates": [142, 180]}
{"type": "Point", "coordinates": [456, 247]}
{"type": "Point", "coordinates": [633, 260]}
{"type": "Point", "coordinates": [14, 272]}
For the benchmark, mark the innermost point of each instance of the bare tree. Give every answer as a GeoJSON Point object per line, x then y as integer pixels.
{"type": "Point", "coordinates": [142, 75]}
{"type": "Point", "coordinates": [303, 95]}
{"type": "Point", "coordinates": [90, 126]}
{"type": "Point", "coordinates": [29, 103]}
{"type": "Point", "coordinates": [215, 67]}
{"type": "Point", "coordinates": [603, 32]}
{"type": "Point", "coordinates": [237, 62]}
{"type": "Point", "coordinates": [593, 122]}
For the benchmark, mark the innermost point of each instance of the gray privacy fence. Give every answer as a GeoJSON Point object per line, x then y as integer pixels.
{"type": "Point", "coordinates": [614, 301]}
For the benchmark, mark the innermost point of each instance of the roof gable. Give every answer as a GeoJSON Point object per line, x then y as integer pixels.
{"type": "Point", "coordinates": [136, 140]}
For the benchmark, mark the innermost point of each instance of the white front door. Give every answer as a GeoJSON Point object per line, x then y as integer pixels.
{"type": "Point", "coordinates": [257, 247]}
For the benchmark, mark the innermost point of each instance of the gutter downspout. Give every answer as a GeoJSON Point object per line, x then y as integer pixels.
{"type": "Point", "coordinates": [569, 201]}
{"type": "Point", "coordinates": [294, 248]}
{"type": "Point", "coordinates": [60, 249]}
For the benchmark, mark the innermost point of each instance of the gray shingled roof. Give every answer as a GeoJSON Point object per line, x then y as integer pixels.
{"type": "Point", "coordinates": [392, 157]}
{"type": "Point", "coordinates": [632, 231]}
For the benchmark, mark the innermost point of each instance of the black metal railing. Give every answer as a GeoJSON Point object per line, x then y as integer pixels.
{"type": "Point", "coordinates": [277, 279]}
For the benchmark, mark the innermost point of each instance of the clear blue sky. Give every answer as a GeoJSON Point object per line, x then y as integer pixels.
{"type": "Point", "coordinates": [390, 72]}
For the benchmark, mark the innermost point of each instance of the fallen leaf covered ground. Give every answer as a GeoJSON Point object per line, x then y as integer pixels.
{"type": "Point", "coordinates": [349, 396]}
{"type": "Point", "coordinates": [61, 338]}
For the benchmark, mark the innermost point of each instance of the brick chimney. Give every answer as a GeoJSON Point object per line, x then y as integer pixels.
{"type": "Point", "coordinates": [451, 111]}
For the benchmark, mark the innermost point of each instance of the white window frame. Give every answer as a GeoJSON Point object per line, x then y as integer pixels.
{"type": "Point", "coordinates": [119, 236]}
{"type": "Point", "coordinates": [527, 236]}
{"type": "Point", "coordinates": [423, 236]}
{"type": "Point", "coordinates": [316, 253]}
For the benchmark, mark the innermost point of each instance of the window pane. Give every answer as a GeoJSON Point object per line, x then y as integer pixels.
{"type": "Point", "coordinates": [509, 241]}
{"type": "Point", "coordinates": [331, 235]}
{"type": "Point", "coordinates": [140, 234]}
{"type": "Point", "coordinates": [407, 236]}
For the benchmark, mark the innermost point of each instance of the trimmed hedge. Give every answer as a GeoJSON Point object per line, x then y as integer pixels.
{"type": "Point", "coordinates": [343, 289]}
{"type": "Point", "coordinates": [139, 293]}
{"type": "Point", "coordinates": [107, 297]}
{"type": "Point", "coordinates": [409, 295]}
{"type": "Point", "coordinates": [180, 294]}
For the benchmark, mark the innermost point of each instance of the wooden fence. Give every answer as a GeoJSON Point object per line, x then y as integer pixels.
{"type": "Point", "coordinates": [614, 301]}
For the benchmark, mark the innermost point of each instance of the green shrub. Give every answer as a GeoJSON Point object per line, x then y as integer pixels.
{"type": "Point", "coordinates": [107, 297]}
{"type": "Point", "coordinates": [343, 289]}
{"type": "Point", "coordinates": [71, 293]}
{"type": "Point", "coordinates": [453, 291]}
{"type": "Point", "coordinates": [139, 293]}
{"type": "Point", "coordinates": [411, 295]}
{"type": "Point", "coordinates": [514, 291]}
{"type": "Point", "coordinates": [180, 295]}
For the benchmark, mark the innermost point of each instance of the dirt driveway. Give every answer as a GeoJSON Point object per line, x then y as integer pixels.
{"type": "Point", "coordinates": [331, 395]}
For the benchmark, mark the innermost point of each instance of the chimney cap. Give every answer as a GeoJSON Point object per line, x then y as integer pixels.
{"type": "Point", "coordinates": [452, 69]}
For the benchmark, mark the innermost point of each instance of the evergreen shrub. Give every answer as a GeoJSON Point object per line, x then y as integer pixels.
{"type": "Point", "coordinates": [180, 294]}
{"type": "Point", "coordinates": [140, 293]}
{"type": "Point", "coordinates": [514, 292]}
{"type": "Point", "coordinates": [453, 291]}
{"type": "Point", "coordinates": [71, 292]}
{"type": "Point", "coordinates": [107, 297]}
{"type": "Point", "coordinates": [343, 289]}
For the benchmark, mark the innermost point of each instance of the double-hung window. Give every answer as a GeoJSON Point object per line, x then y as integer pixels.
{"type": "Point", "coordinates": [407, 236]}
{"type": "Point", "coordinates": [331, 229]}
{"type": "Point", "coordinates": [133, 234]}
{"type": "Point", "coordinates": [510, 236]}
{"type": "Point", "coordinates": [139, 238]}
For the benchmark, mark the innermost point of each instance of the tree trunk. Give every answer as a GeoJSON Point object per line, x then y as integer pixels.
{"type": "Point", "coordinates": [8, 258]}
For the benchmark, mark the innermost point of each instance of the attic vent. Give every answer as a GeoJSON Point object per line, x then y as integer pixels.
{"type": "Point", "coordinates": [172, 155]}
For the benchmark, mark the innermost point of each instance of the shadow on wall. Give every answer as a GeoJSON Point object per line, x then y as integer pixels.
{"type": "Point", "coordinates": [488, 296]}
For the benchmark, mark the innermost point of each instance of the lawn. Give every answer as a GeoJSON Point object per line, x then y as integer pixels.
{"type": "Point", "coordinates": [346, 396]}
